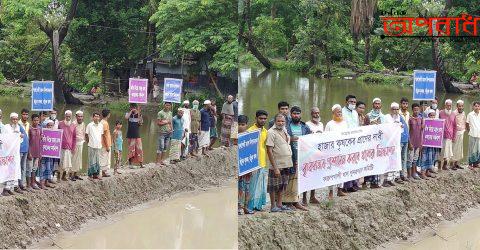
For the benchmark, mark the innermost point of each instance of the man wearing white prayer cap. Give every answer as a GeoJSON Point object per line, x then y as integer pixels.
{"type": "Point", "coordinates": [449, 135]}
{"type": "Point", "coordinates": [79, 140]}
{"type": "Point", "coordinates": [376, 117]}
{"type": "Point", "coordinates": [460, 120]}
{"type": "Point", "coordinates": [204, 135]}
{"type": "Point", "coordinates": [69, 142]}
{"type": "Point", "coordinates": [336, 124]}
{"type": "Point", "coordinates": [187, 121]}
{"type": "Point", "coordinates": [395, 117]}
{"type": "Point", "coordinates": [17, 184]}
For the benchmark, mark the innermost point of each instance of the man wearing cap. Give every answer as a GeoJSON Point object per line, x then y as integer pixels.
{"type": "Point", "coordinates": [79, 139]}
{"type": "Point", "coordinates": [187, 123]}
{"type": "Point", "coordinates": [395, 117]}
{"type": "Point", "coordinates": [295, 128]}
{"type": "Point", "coordinates": [195, 128]}
{"type": "Point", "coordinates": [15, 128]}
{"type": "Point", "coordinates": [350, 115]}
{"type": "Point", "coordinates": [337, 123]}
{"type": "Point", "coordinates": [204, 136]}
{"type": "Point", "coordinates": [165, 128]}
{"type": "Point", "coordinates": [69, 141]}
{"type": "Point", "coordinates": [449, 135]}
{"type": "Point", "coordinates": [376, 117]}
{"type": "Point", "coordinates": [227, 121]}
{"type": "Point", "coordinates": [460, 120]}
{"type": "Point", "coordinates": [433, 106]}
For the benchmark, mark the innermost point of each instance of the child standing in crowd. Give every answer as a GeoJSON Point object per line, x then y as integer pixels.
{"type": "Point", "coordinates": [244, 180]}
{"type": "Point", "coordinates": [118, 146]}
{"type": "Point", "coordinates": [34, 151]}
{"type": "Point", "coordinates": [177, 136]}
{"type": "Point", "coordinates": [47, 164]}
{"type": "Point", "coordinates": [415, 125]}
{"type": "Point", "coordinates": [429, 154]}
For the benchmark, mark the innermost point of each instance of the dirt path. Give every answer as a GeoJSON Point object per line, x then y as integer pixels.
{"type": "Point", "coordinates": [31, 216]}
{"type": "Point", "coordinates": [365, 219]}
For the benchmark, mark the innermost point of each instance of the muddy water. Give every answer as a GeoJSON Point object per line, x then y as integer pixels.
{"type": "Point", "coordinates": [464, 234]}
{"type": "Point", "coordinates": [263, 90]}
{"type": "Point", "coordinates": [194, 220]}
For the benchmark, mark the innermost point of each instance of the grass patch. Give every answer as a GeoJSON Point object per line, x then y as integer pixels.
{"type": "Point", "coordinates": [378, 78]}
{"type": "Point", "coordinates": [293, 65]}
{"type": "Point", "coordinates": [13, 91]}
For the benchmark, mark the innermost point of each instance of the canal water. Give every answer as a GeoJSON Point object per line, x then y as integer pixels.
{"type": "Point", "coordinates": [260, 89]}
{"type": "Point", "coordinates": [204, 219]}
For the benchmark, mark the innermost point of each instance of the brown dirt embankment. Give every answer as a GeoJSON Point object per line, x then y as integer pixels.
{"type": "Point", "coordinates": [365, 219]}
{"type": "Point", "coordinates": [31, 216]}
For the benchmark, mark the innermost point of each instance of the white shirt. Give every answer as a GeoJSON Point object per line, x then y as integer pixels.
{"type": "Point", "coordinates": [315, 128]}
{"type": "Point", "coordinates": [94, 132]}
{"type": "Point", "coordinates": [437, 112]}
{"type": "Point", "coordinates": [473, 120]}
{"type": "Point", "coordinates": [186, 118]}
{"type": "Point", "coordinates": [390, 119]}
{"type": "Point", "coordinates": [9, 129]}
{"type": "Point", "coordinates": [350, 117]}
{"type": "Point", "coordinates": [335, 126]}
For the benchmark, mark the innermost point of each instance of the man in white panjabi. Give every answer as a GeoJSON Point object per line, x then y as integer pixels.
{"type": "Point", "coordinates": [461, 120]}
{"type": "Point", "coordinates": [186, 118]}
{"type": "Point", "coordinates": [337, 123]}
{"type": "Point", "coordinates": [77, 163]}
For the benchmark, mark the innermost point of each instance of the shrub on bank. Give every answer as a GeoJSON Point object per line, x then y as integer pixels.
{"type": "Point", "coordinates": [13, 91]}
{"type": "Point", "coordinates": [378, 78]}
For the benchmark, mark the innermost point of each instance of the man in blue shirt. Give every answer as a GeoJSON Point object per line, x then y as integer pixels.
{"type": "Point", "coordinates": [204, 136]}
{"type": "Point", "coordinates": [296, 128]}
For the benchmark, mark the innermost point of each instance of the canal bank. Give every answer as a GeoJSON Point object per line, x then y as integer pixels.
{"type": "Point", "coordinates": [366, 219]}
{"type": "Point", "coordinates": [33, 216]}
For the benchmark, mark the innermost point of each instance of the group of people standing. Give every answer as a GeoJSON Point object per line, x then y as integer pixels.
{"type": "Point", "coordinates": [278, 146]}
{"type": "Point", "coordinates": [193, 131]}
{"type": "Point", "coordinates": [188, 131]}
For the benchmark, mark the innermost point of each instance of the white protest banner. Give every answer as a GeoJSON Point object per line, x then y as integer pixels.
{"type": "Point", "coordinates": [9, 157]}
{"type": "Point", "coordinates": [335, 157]}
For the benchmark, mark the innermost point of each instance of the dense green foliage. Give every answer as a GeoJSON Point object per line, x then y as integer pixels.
{"type": "Point", "coordinates": [108, 38]}
{"type": "Point", "coordinates": [314, 36]}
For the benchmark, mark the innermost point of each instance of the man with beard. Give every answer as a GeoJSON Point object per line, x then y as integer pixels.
{"type": "Point", "coordinates": [227, 121]}
{"type": "Point", "coordinates": [337, 123]}
{"type": "Point", "coordinates": [195, 128]}
{"type": "Point", "coordinates": [258, 180]}
{"type": "Point", "coordinates": [395, 117]}
{"type": "Point", "coordinates": [295, 129]}
{"type": "Point", "coordinates": [315, 126]}
{"type": "Point", "coordinates": [280, 155]}
{"type": "Point", "coordinates": [18, 130]}
{"type": "Point", "coordinates": [69, 142]}
{"type": "Point", "coordinates": [187, 119]}
{"type": "Point", "coordinates": [376, 117]}
{"type": "Point", "coordinates": [460, 120]}
{"type": "Point", "coordinates": [283, 108]}
{"type": "Point", "coordinates": [77, 163]}
{"type": "Point", "coordinates": [449, 135]}
{"type": "Point", "coordinates": [350, 116]}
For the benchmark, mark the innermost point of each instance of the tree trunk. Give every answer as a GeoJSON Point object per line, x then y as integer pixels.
{"type": "Point", "coordinates": [273, 10]}
{"type": "Point", "coordinates": [248, 38]}
{"type": "Point", "coordinates": [63, 92]}
{"type": "Point", "coordinates": [367, 49]}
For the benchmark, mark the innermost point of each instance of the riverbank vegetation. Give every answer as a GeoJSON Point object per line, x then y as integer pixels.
{"type": "Point", "coordinates": [332, 38]}
{"type": "Point", "coordinates": [79, 44]}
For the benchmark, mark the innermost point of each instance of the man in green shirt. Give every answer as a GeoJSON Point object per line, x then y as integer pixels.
{"type": "Point", "coordinates": [164, 122]}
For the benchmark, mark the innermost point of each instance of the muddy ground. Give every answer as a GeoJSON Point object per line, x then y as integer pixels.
{"type": "Point", "coordinates": [31, 216]}
{"type": "Point", "coordinates": [365, 219]}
